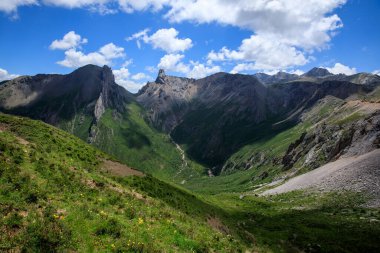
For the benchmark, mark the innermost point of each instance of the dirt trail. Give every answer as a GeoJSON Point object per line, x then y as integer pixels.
{"type": "Point", "coordinates": [358, 173]}
{"type": "Point", "coordinates": [119, 169]}
{"type": "Point", "coordinates": [183, 156]}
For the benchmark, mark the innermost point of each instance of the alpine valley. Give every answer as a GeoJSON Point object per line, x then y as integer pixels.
{"type": "Point", "coordinates": [226, 163]}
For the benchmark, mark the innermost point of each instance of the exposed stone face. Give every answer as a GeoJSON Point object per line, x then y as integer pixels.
{"type": "Point", "coordinates": [317, 72]}
{"type": "Point", "coordinates": [217, 108]}
{"type": "Point", "coordinates": [327, 143]}
{"type": "Point", "coordinates": [88, 91]}
{"type": "Point", "coordinates": [161, 76]}
{"type": "Point", "coordinates": [99, 108]}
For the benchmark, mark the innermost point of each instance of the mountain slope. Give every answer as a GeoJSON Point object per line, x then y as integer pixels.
{"type": "Point", "coordinates": [57, 195]}
{"type": "Point", "coordinates": [230, 111]}
{"type": "Point", "coordinates": [89, 104]}
{"type": "Point", "coordinates": [360, 173]}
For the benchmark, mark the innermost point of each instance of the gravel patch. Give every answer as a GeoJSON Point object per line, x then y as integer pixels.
{"type": "Point", "coordinates": [358, 174]}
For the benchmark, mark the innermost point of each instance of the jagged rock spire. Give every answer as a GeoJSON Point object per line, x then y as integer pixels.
{"type": "Point", "coordinates": [161, 76]}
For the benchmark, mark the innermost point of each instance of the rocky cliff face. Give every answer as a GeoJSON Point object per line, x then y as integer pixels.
{"type": "Point", "coordinates": [166, 99]}
{"type": "Point", "coordinates": [216, 115]}
{"type": "Point", "coordinates": [58, 99]}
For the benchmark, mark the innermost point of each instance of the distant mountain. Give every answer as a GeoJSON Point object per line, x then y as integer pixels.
{"type": "Point", "coordinates": [317, 72]}
{"type": "Point", "coordinates": [318, 75]}
{"type": "Point", "coordinates": [231, 110]}
{"type": "Point", "coordinates": [280, 77]}
{"type": "Point", "coordinates": [89, 104]}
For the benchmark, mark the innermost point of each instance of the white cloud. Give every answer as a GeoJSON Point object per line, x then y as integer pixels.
{"type": "Point", "coordinates": [4, 75]}
{"type": "Point", "coordinates": [285, 33]}
{"type": "Point", "coordinates": [69, 40]}
{"type": "Point", "coordinates": [165, 39]}
{"type": "Point", "coordinates": [172, 62]}
{"type": "Point", "coordinates": [130, 6]}
{"type": "Point", "coordinates": [376, 72]}
{"type": "Point", "coordinates": [261, 53]}
{"type": "Point", "coordinates": [75, 58]}
{"type": "Point", "coordinates": [339, 68]}
{"type": "Point", "coordinates": [75, 3]}
{"type": "Point", "coordinates": [297, 72]}
{"type": "Point", "coordinates": [9, 6]}
{"type": "Point", "coordinates": [127, 63]}
{"type": "Point", "coordinates": [200, 70]}
{"type": "Point", "coordinates": [110, 51]}
{"type": "Point", "coordinates": [105, 55]}
{"type": "Point", "coordinates": [141, 76]}
{"type": "Point", "coordinates": [124, 78]}
{"type": "Point", "coordinates": [297, 22]}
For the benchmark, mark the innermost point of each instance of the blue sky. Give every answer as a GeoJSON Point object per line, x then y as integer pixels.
{"type": "Point", "coordinates": [191, 38]}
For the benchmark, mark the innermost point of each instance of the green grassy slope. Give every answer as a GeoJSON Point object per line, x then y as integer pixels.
{"type": "Point", "coordinates": [260, 161]}
{"type": "Point", "coordinates": [304, 222]}
{"type": "Point", "coordinates": [129, 138]}
{"type": "Point", "coordinates": [55, 198]}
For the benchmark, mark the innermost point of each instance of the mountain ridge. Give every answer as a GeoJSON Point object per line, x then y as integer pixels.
{"type": "Point", "coordinates": [184, 107]}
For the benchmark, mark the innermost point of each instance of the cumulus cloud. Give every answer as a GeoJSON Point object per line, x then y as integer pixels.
{"type": "Point", "coordinates": [297, 22]}
{"type": "Point", "coordinates": [69, 40]}
{"type": "Point", "coordinates": [286, 32]}
{"type": "Point", "coordinates": [261, 53]}
{"type": "Point", "coordinates": [75, 3]}
{"type": "Point", "coordinates": [200, 70]}
{"type": "Point", "coordinates": [339, 68]}
{"type": "Point", "coordinates": [9, 6]}
{"type": "Point", "coordinates": [141, 76]}
{"type": "Point", "coordinates": [105, 55]}
{"type": "Point", "coordinates": [130, 82]}
{"type": "Point", "coordinates": [172, 62]}
{"type": "Point", "coordinates": [376, 72]}
{"type": "Point", "coordinates": [165, 39]}
{"type": "Point", "coordinates": [297, 72]}
{"type": "Point", "coordinates": [130, 6]}
{"type": "Point", "coordinates": [5, 75]}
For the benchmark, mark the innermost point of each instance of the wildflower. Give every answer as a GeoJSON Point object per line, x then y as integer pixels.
{"type": "Point", "coordinates": [140, 221]}
{"type": "Point", "coordinates": [112, 245]}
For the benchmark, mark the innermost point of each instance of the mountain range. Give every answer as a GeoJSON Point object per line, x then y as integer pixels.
{"type": "Point", "coordinates": [224, 143]}
{"type": "Point", "coordinates": [230, 111]}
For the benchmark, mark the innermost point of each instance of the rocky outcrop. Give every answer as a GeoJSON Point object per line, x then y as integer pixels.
{"type": "Point", "coordinates": [327, 143]}
{"type": "Point", "coordinates": [87, 92]}
{"type": "Point", "coordinates": [317, 72]}
{"type": "Point", "coordinates": [166, 100]}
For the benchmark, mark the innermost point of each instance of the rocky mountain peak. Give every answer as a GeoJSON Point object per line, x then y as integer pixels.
{"type": "Point", "coordinates": [161, 76]}
{"type": "Point", "coordinates": [317, 72]}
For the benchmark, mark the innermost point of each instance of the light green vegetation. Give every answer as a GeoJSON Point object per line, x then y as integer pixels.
{"type": "Point", "coordinates": [260, 161]}
{"type": "Point", "coordinates": [129, 138]}
{"type": "Point", "coordinates": [55, 198]}
{"type": "Point", "coordinates": [304, 222]}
